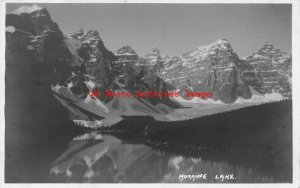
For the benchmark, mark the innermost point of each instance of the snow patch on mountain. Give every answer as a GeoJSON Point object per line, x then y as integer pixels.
{"type": "Point", "coordinates": [56, 88]}
{"type": "Point", "coordinates": [197, 100]}
{"type": "Point", "coordinates": [96, 103]}
{"type": "Point", "coordinates": [90, 37]}
{"type": "Point", "coordinates": [90, 84]}
{"type": "Point", "coordinates": [190, 59]}
{"type": "Point", "coordinates": [221, 44]}
{"type": "Point", "coordinates": [260, 99]}
{"type": "Point", "coordinates": [89, 136]}
{"type": "Point", "coordinates": [96, 124]}
{"type": "Point", "coordinates": [256, 98]}
{"type": "Point", "coordinates": [10, 29]}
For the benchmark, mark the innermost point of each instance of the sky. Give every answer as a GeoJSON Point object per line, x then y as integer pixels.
{"type": "Point", "coordinates": [177, 28]}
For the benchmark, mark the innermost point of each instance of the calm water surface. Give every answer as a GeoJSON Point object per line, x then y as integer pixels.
{"type": "Point", "coordinates": [123, 157]}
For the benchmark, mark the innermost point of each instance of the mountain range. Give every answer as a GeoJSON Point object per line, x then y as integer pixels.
{"type": "Point", "coordinates": [216, 68]}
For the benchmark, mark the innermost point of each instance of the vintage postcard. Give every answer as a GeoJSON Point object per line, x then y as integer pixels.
{"type": "Point", "coordinates": [172, 92]}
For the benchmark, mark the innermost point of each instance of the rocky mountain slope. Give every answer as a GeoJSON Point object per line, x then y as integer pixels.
{"type": "Point", "coordinates": [88, 46]}
{"type": "Point", "coordinates": [218, 69]}
{"type": "Point", "coordinates": [127, 60]}
{"type": "Point", "coordinates": [137, 75]}
{"type": "Point", "coordinates": [274, 67]}
{"type": "Point", "coordinates": [38, 35]}
{"type": "Point", "coordinates": [31, 112]}
{"type": "Point", "coordinates": [74, 60]}
{"type": "Point", "coordinates": [214, 68]}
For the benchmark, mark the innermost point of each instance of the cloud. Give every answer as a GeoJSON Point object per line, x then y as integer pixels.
{"type": "Point", "coordinates": [27, 9]}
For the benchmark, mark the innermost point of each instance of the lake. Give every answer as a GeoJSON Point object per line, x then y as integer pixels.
{"type": "Point", "coordinates": [250, 145]}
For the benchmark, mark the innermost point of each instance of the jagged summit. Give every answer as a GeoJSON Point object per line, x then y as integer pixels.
{"type": "Point", "coordinates": [274, 67]}
{"type": "Point", "coordinates": [90, 37]}
{"type": "Point", "coordinates": [36, 34]}
{"type": "Point", "coordinates": [33, 20]}
{"type": "Point", "coordinates": [33, 12]}
{"type": "Point", "coordinates": [154, 59]}
{"type": "Point", "coordinates": [215, 68]}
{"type": "Point", "coordinates": [268, 51]}
{"type": "Point", "coordinates": [126, 55]}
{"type": "Point", "coordinates": [126, 50]}
{"type": "Point", "coordinates": [268, 45]}
{"type": "Point", "coordinates": [154, 49]}
{"type": "Point", "coordinates": [80, 34]}
{"type": "Point", "coordinates": [222, 41]}
{"type": "Point", "coordinates": [219, 45]}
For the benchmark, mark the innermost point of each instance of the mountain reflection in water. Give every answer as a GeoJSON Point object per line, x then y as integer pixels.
{"type": "Point", "coordinates": [124, 157]}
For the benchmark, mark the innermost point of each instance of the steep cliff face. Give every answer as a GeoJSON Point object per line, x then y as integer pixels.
{"type": "Point", "coordinates": [136, 74]}
{"type": "Point", "coordinates": [30, 108]}
{"type": "Point", "coordinates": [92, 38]}
{"type": "Point", "coordinates": [74, 60]}
{"type": "Point", "coordinates": [89, 46]}
{"type": "Point", "coordinates": [37, 34]}
{"type": "Point", "coordinates": [214, 68]}
{"type": "Point", "coordinates": [154, 61]}
{"type": "Point", "coordinates": [274, 66]}
{"type": "Point", "coordinates": [126, 56]}
{"type": "Point", "coordinates": [152, 57]}
{"type": "Point", "coordinates": [127, 63]}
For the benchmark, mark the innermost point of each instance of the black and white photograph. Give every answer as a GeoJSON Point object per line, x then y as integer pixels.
{"type": "Point", "coordinates": [185, 93]}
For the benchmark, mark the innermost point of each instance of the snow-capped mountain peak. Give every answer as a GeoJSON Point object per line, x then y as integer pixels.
{"type": "Point", "coordinates": [191, 58]}
{"type": "Point", "coordinates": [84, 34]}
{"type": "Point", "coordinates": [268, 51]}
{"type": "Point", "coordinates": [219, 45]}
{"type": "Point", "coordinates": [274, 66]}
{"type": "Point", "coordinates": [90, 37]}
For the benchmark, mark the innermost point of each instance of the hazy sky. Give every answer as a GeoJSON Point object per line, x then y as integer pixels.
{"type": "Point", "coordinates": [177, 28]}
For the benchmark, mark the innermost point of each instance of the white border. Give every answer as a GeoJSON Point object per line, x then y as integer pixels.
{"type": "Point", "coordinates": [295, 78]}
